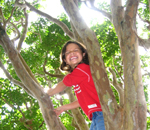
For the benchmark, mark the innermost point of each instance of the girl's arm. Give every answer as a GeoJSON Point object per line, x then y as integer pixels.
{"type": "Point", "coordinates": [59, 87]}
{"type": "Point", "coordinates": [70, 106]}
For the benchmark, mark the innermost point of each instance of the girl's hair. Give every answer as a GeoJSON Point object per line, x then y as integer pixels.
{"type": "Point", "coordinates": [66, 67]}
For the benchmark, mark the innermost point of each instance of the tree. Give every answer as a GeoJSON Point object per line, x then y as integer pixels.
{"type": "Point", "coordinates": [130, 112]}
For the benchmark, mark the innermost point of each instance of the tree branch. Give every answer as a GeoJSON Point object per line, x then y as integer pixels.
{"type": "Point", "coordinates": [41, 124]}
{"type": "Point", "coordinates": [28, 69]}
{"type": "Point", "coordinates": [149, 5]}
{"type": "Point", "coordinates": [25, 29]}
{"type": "Point", "coordinates": [13, 106]}
{"type": "Point", "coordinates": [119, 73]}
{"type": "Point", "coordinates": [16, 82]}
{"type": "Point", "coordinates": [17, 4]}
{"type": "Point", "coordinates": [148, 111]}
{"type": "Point", "coordinates": [117, 87]}
{"type": "Point", "coordinates": [144, 19]}
{"type": "Point", "coordinates": [8, 20]}
{"type": "Point", "coordinates": [61, 102]}
{"type": "Point", "coordinates": [18, 32]}
{"type": "Point", "coordinates": [75, 33]}
{"type": "Point", "coordinates": [143, 42]}
{"type": "Point", "coordinates": [59, 23]}
{"type": "Point", "coordinates": [52, 75]}
{"type": "Point", "coordinates": [106, 14]}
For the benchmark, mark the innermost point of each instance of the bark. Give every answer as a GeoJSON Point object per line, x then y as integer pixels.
{"type": "Point", "coordinates": [118, 87]}
{"type": "Point", "coordinates": [79, 119]}
{"type": "Point", "coordinates": [135, 105]}
{"type": "Point", "coordinates": [144, 42]}
{"type": "Point", "coordinates": [35, 89]}
{"type": "Point", "coordinates": [117, 15]}
{"type": "Point", "coordinates": [134, 99]}
{"type": "Point", "coordinates": [16, 82]}
{"type": "Point", "coordinates": [59, 23]}
{"type": "Point", "coordinates": [25, 29]}
{"type": "Point", "coordinates": [60, 76]}
{"type": "Point", "coordinates": [107, 99]}
{"type": "Point", "coordinates": [131, 115]}
{"type": "Point", "coordinates": [105, 13]}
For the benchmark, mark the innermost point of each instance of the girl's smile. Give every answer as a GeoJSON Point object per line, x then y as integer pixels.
{"type": "Point", "coordinates": [73, 55]}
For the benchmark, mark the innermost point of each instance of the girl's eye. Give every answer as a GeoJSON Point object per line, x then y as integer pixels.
{"type": "Point", "coordinates": [69, 52]}
{"type": "Point", "coordinates": [76, 50]}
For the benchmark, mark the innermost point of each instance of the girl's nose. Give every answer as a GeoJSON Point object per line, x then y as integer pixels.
{"type": "Point", "coordinates": [72, 52]}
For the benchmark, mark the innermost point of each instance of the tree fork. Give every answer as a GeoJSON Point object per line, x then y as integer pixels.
{"type": "Point", "coordinates": [45, 102]}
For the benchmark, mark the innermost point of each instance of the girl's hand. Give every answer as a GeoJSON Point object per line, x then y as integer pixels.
{"type": "Point", "coordinates": [49, 91]}
{"type": "Point", "coordinates": [58, 111]}
{"type": "Point", "coordinates": [66, 107]}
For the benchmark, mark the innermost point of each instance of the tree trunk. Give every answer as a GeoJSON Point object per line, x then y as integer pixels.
{"type": "Point", "coordinates": [109, 105]}
{"type": "Point", "coordinates": [129, 116]}
{"type": "Point", "coordinates": [35, 90]}
{"type": "Point", "coordinates": [134, 99]}
{"type": "Point", "coordinates": [78, 117]}
{"type": "Point", "coordinates": [134, 104]}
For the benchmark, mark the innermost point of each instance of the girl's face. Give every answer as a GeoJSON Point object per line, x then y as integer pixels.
{"type": "Point", "coordinates": [73, 55]}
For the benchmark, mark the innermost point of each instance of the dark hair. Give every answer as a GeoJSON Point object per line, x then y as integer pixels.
{"type": "Point", "coordinates": [66, 67]}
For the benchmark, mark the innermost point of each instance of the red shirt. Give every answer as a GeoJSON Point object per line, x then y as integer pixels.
{"type": "Point", "coordinates": [81, 79]}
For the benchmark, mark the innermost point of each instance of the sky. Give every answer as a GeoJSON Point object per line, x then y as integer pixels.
{"type": "Point", "coordinates": [55, 9]}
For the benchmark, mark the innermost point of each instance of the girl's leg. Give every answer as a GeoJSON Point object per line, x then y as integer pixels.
{"type": "Point", "coordinates": [97, 121]}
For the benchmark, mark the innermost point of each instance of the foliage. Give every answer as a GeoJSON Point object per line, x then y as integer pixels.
{"type": "Point", "coordinates": [145, 59]}
{"type": "Point", "coordinates": [44, 42]}
{"type": "Point", "coordinates": [18, 108]}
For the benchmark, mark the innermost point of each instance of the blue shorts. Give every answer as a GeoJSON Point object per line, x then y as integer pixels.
{"type": "Point", "coordinates": [97, 121]}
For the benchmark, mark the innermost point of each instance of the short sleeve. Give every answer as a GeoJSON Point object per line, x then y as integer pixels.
{"type": "Point", "coordinates": [79, 74]}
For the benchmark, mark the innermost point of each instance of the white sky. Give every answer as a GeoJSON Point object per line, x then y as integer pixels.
{"type": "Point", "coordinates": [55, 9]}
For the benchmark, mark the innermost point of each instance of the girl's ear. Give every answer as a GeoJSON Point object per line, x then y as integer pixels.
{"type": "Point", "coordinates": [64, 60]}
{"type": "Point", "coordinates": [83, 54]}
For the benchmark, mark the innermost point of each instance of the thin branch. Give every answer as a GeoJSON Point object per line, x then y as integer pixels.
{"type": "Point", "coordinates": [61, 102]}
{"type": "Point", "coordinates": [148, 73]}
{"type": "Point", "coordinates": [143, 19]}
{"type": "Point", "coordinates": [148, 111]}
{"type": "Point", "coordinates": [52, 75]}
{"type": "Point", "coordinates": [13, 106]}
{"type": "Point", "coordinates": [3, 18]}
{"type": "Point", "coordinates": [28, 69]}
{"type": "Point", "coordinates": [117, 70]}
{"type": "Point", "coordinates": [28, 108]}
{"type": "Point", "coordinates": [16, 82]}
{"type": "Point", "coordinates": [18, 32]}
{"type": "Point", "coordinates": [41, 124]}
{"type": "Point", "coordinates": [74, 124]}
{"type": "Point", "coordinates": [149, 5]}
{"type": "Point", "coordinates": [106, 14]}
{"type": "Point", "coordinates": [8, 20]}
{"type": "Point", "coordinates": [17, 4]}
{"type": "Point", "coordinates": [25, 29]}
{"type": "Point", "coordinates": [143, 42]}
{"type": "Point", "coordinates": [59, 23]}
{"type": "Point", "coordinates": [117, 87]}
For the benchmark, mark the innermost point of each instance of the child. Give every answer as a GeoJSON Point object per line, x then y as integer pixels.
{"type": "Point", "coordinates": [75, 61]}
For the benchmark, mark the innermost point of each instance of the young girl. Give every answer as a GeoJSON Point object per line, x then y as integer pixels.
{"type": "Point", "coordinates": [75, 61]}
